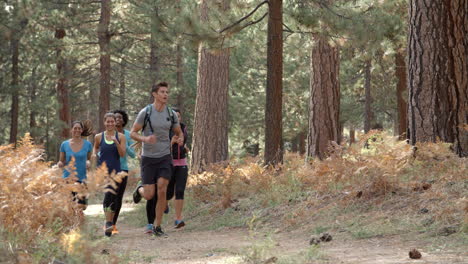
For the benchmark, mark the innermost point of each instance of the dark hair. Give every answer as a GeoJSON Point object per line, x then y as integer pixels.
{"type": "Point", "coordinates": [176, 109]}
{"type": "Point", "coordinates": [86, 126]}
{"type": "Point", "coordinates": [124, 116]}
{"type": "Point", "coordinates": [156, 87]}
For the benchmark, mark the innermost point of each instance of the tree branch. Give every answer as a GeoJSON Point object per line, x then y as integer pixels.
{"type": "Point", "coordinates": [245, 17]}
{"type": "Point", "coordinates": [254, 22]}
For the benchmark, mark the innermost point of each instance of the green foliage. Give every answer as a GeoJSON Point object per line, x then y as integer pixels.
{"type": "Point", "coordinates": [363, 29]}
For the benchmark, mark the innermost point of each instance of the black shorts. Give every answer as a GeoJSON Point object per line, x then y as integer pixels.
{"type": "Point", "coordinates": [153, 168]}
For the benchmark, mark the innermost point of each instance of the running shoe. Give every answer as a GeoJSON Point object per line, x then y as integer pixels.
{"type": "Point", "coordinates": [149, 229]}
{"type": "Point", "coordinates": [157, 231]}
{"type": "Point", "coordinates": [114, 230]}
{"type": "Point", "coordinates": [179, 223]}
{"type": "Point", "coordinates": [136, 193]}
{"type": "Point", "coordinates": [108, 229]}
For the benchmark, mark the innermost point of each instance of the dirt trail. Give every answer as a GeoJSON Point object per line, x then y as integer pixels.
{"type": "Point", "coordinates": [232, 245]}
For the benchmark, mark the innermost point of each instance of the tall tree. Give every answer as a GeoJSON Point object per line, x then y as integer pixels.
{"type": "Point", "coordinates": [104, 37]}
{"type": "Point", "coordinates": [154, 58]}
{"type": "Point", "coordinates": [368, 115]}
{"type": "Point", "coordinates": [32, 102]}
{"type": "Point", "coordinates": [180, 78]}
{"type": "Point", "coordinates": [122, 86]}
{"type": "Point", "coordinates": [274, 85]}
{"type": "Point", "coordinates": [402, 105]}
{"type": "Point", "coordinates": [18, 25]}
{"type": "Point", "coordinates": [62, 84]}
{"type": "Point", "coordinates": [211, 107]}
{"type": "Point", "coordinates": [438, 72]}
{"type": "Point", "coordinates": [324, 104]}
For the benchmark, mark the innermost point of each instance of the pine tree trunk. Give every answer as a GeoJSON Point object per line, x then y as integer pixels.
{"type": "Point", "coordinates": [368, 98]}
{"type": "Point", "coordinates": [32, 104]}
{"type": "Point", "coordinates": [105, 62]}
{"type": "Point", "coordinates": [302, 142]}
{"type": "Point", "coordinates": [402, 105]}
{"type": "Point", "coordinates": [180, 79]}
{"type": "Point", "coordinates": [62, 89]}
{"type": "Point", "coordinates": [210, 135]}
{"type": "Point", "coordinates": [295, 144]}
{"type": "Point", "coordinates": [324, 102]}
{"type": "Point", "coordinates": [352, 136]}
{"type": "Point", "coordinates": [14, 47]}
{"type": "Point", "coordinates": [122, 87]}
{"type": "Point", "coordinates": [274, 86]}
{"type": "Point", "coordinates": [438, 72]}
{"type": "Point", "coordinates": [154, 59]}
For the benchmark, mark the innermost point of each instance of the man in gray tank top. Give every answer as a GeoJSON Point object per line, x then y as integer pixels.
{"type": "Point", "coordinates": [155, 121]}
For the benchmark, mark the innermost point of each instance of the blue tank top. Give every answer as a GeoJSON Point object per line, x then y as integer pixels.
{"type": "Point", "coordinates": [109, 154]}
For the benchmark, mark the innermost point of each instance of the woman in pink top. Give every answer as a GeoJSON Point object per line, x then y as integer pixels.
{"type": "Point", "coordinates": [180, 173]}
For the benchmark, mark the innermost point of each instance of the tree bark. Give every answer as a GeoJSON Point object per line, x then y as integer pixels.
{"type": "Point", "coordinates": [210, 135]}
{"type": "Point", "coordinates": [14, 46]}
{"type": "Point", "coordinates": [324, 102]}
{"type": "Point", "coordinates": [438, 72]}
{"type": "Point", "coordinates": [32, 104]}
{"type": "Point", "coordinates": [302, 142]}
{"type": "Point", "coordinates": [368, 98]}
{"type": "Point", "coordinates": [122, 87]}
{"type": "Point", "coordinates": [105, 63]}
{"type": "Point", "coordinates": [16, 34]}
{"type": "Point", "coordinates": [274, 85]}
{"type": "Point", "coordinates": [63, 96]}
{"type": "Point", "coordinates": [352, 136]}
{"type": "Point", "coordinates": [180, 78]}
{"type": "Point", "coordinates": [402, 105]}
{"type": "Point", "coordinates": [154, 59]}
{"type": "Point", "coordinates": [295, 144]}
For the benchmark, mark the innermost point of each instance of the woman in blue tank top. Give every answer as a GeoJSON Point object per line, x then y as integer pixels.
{"type": "Point", "coordinates": [79, 150]}
{"type": "Point", "coordinates": [110, 146]}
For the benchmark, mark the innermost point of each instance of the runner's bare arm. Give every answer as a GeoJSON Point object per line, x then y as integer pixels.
{"type": "Point", "coordinates": [180, 135]}
{"type": "Point", "coordinates": [140, 138]}
{"type": "Point", "coordinates": [61, 162]}
{"type": "Point", "coordinates": [120, 145]}
{"type": "Point", "coordinates": [97, 142]}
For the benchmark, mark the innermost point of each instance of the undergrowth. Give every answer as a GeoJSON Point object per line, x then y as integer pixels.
{"type": "Point", "coordinates": [389, 188]}
{"type": "Point", "coordinates": [40, 222]}
{"type": "Point", "coordinates": [397, 188]}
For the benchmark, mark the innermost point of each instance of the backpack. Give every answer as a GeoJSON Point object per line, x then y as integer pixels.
{"type": "Point", "coordinates": [147, 120]}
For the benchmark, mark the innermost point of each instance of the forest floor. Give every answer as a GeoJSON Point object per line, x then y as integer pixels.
{"type": "Point", "coordinates": [263, 244]}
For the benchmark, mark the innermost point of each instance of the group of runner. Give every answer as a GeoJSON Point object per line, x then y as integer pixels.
{"type": "Point", "coordinates": [164, 168]}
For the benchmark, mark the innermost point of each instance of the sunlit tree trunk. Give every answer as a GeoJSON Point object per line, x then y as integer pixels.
{"type": "Point", "coordinates": [211, 107]}
{"type": "Point", "coordinates": [274, 85]}
{"type": "Point", "coordinates": [438, 72]}
{"type": "Point", "coordinates": [62, 85]}
{"type": "Point", "coordinates": [324, 102]}
{"type": "Point", "coordinates": [105, 60]}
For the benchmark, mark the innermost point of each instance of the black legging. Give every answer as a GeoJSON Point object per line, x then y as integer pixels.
{"type": "Point", "coordinates": [177, 183]}
{"type": "Point", "coordinates": [119, 198]}
{"type": "Point", "coordinates": [113, 200]}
